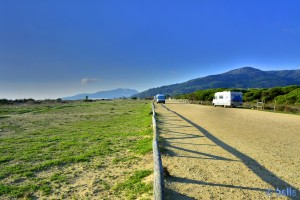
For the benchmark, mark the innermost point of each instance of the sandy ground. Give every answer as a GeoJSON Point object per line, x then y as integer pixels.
{"type": "Point", "coordinates": [229, 153]}
{"type": "Point", "coordinates": [94, 183]}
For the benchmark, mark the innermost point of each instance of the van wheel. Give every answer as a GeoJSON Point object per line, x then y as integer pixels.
{"type": "Point", "coordinates": [214, 105]}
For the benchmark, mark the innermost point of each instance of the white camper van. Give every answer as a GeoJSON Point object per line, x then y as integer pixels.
{"type": "Point", "coordinates": [228, 98]}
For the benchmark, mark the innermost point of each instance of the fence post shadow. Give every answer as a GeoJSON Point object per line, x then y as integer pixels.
{"type": "Point", "coordinates": [263, 173]}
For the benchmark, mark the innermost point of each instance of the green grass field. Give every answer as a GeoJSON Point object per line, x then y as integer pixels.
{"type": "Point", "coordinates": [75, 150]}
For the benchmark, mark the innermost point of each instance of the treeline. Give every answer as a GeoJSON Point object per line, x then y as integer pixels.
{"type": "Point", "coordinates": [201, 95]}
{"type": "Point", "coordinates": [289, 95]}
{"type": "Point", "coordinates": [30, 101]}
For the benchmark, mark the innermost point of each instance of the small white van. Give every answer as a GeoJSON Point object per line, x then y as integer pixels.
{"type": "Point", "coordinates": [160, 98]}
{"type": "Point", "coordinates": [228, 98]}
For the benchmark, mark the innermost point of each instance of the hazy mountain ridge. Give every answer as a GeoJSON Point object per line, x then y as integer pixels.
{"type": "Point", "coordinates": [246, 77]}
{"type": "Point", "coordinates": [109, 94]}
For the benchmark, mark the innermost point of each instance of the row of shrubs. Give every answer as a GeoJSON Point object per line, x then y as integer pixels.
{"type": "Point", "coordinates": [46, 101]}
{"type": "Point", "coordinates": [282, 95]}
{"type": "Point", "coordinates": [30, 101]}
{"type": "Point", "coordinates": [289, 95]}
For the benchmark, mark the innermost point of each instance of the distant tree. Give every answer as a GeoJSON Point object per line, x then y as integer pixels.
{"type": "Point", "coordinates": [5, 101]}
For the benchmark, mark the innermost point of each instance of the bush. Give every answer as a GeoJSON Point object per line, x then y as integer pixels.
{"type": "Point", "coordinates": [270, 94]}
{"type": "Point", "coordinates": [5, 101]}
{"type": "Point", "coordinates": [283, 95]}
{"type": "Point", "coordinates": [291, 98]}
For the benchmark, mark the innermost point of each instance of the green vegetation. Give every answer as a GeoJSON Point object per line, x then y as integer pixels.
{"type": "Point", "coordinates": [283, 95]}
{"type": "Point", "coordinates": [292, 97]}
{"type": "Point", "coordinates": [287, 98]}
{"type": "Point", "coordinates": [39, 144]}
{"type": "Point", "coordinates": [134, 186]}
{"type": "Point", "coordinates": [200, 95]}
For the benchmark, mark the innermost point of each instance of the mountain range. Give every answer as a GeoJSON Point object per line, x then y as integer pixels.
{"type": "Point", "coordinates": [109, 94]}
{"type": "Point", "coordinates": [246, 77]}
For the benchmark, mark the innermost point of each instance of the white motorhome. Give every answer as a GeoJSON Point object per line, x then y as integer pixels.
{"type": "Point", "coordinates": [228, 98]}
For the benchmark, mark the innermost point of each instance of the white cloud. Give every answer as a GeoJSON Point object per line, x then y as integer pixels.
{"type": "Point", "coordinates": [88, 80]}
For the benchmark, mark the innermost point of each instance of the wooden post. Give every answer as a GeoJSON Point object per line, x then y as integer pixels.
{"type": "Point", "coordinates": [154, 128]}
{"type": "Point", "coordinates": [158, 182]}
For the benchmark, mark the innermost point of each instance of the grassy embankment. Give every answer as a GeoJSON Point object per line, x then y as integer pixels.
{"type": "Point", "coordinates": [75, 150]}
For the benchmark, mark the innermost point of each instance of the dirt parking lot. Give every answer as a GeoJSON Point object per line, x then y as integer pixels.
{"type": "Point", "coordinates": [229, 153]}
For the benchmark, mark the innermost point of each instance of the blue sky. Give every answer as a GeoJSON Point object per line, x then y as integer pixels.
{"type": "Point", "coordinates": [51, 49]}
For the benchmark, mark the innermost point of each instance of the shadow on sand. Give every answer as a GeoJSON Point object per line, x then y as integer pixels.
{"type": "Point", "coordinates": [206, 155]}
{"type": "Point", "coordinates": [185, 180]}
{"type": "Point", "coordinates": [171, 194]}
{"type": "Point", "coordinates": [264, 174]}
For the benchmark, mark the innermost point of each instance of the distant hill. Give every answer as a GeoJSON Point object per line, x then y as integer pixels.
{"type": "Point", "coordinates": [246, 77]}
{"type": "Point", "coordinates": [109, 94]}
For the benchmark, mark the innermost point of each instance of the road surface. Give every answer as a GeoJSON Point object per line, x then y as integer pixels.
{"type": "Point", "coordinates": [229, 153]}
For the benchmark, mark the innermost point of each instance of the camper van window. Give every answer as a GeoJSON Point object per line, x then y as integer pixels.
{"type": "Point", "coordinates": [221, 97]}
